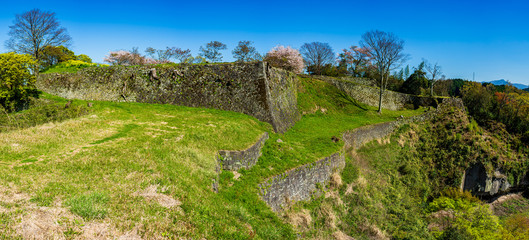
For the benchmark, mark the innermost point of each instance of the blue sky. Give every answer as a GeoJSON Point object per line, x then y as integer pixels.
{"type": "Point", "coordinates": [486, 37]}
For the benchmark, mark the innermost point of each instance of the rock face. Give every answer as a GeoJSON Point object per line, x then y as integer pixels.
{"type": "Point", "coordinates": [256, 89]}
{"type": "Point", "coordinates": [235, 160]}
{"type": "Point", "coordinates": [480, 183]}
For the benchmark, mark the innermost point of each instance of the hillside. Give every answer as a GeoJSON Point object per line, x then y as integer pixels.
{"type": "Point", "coordinates": [406, 186]}
{"type": "Point", "coordinates": [146, 170]}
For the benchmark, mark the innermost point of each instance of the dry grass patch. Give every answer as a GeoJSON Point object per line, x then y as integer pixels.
{"type": "Point", "coordinates": [151, 194]}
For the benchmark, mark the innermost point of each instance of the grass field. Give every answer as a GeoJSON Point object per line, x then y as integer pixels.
{"type": "Point", "coordinates": [146, 170]}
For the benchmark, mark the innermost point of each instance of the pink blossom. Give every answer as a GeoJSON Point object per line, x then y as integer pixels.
{"type": "Point", "coordinates": [286, 58]}
{"type": "Point", "coordinates": [127, 58]}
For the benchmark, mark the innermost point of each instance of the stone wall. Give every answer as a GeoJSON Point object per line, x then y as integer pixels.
{"type": "Point", "coordinates": [369, 95]}
{"type": "Point", "coordinates": [299, 183]}
{"type": "Point", "coordinates": [256, 89]}
{"type": "Point", "coordinates": [357, 137]}
{"type": "Point", "coordinates": [235, 160]}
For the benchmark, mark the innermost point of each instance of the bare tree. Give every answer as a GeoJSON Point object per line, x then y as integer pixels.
{"type": "Point", "coordinates": [245, 52]}
{"type": "Point", "coordinates": [211, 51]}
{"type": "Point", "coordinates": [316, 55]}
{"type": "Point", "coordinates": [434, 72]}
{"type": "Point", "coordinates": [386, 50]}
{"type": "Point", "coordinates": [33, 31]}
{"type": "Point", "coordinates": [182, 55]}
{"type": "Point", "coordinates": [166, 55]}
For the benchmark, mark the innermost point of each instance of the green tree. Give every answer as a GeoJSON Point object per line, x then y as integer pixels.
{"type": "Point", "coordinates": [212, 51]}
{"type": "Point", "coordinates": [84, 58]}
{"type": "Point", "coordinates": [415, 83]}
{"type": "Point", "coordinates": [16, 81]}
{"type": "Point", "coordinates": [52, 55]}
{"type": "Point", "coordinates": [245, 52]}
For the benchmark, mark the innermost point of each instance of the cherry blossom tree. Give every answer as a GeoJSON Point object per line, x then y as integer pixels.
{"type": "Point", "coordinates": [358, 59]}
{"type": "Point", "coordinates": [128, 58]}
{"type": "Point", "coordinates": [286, 58]}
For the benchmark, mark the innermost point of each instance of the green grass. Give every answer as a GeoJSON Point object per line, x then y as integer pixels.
{"type": "Point", "coordinates": [90, 206]}
{"type": "Point", "coordinates": [120, 149]}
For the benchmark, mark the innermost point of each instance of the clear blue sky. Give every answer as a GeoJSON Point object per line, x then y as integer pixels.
{"type": "Point", "coordinates": [490, 38]}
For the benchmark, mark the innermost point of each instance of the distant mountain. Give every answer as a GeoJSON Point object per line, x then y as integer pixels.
{"type": "Point", "coordinates": [503, 82]}
{"type": "Point", "coordinates": [527, 89]}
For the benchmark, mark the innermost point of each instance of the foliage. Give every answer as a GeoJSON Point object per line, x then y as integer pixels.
{"type": "Point", "coordinates": [245, 52]}
{"type": "Point", "coordinates": [316, 56]}
{"type": "Point", "coordinates": [197, 59]}
{"type": "Point", "coordinates": [16, 81]}
{"type": "Point", "coordinates": [449, 87]}
{"type": "Point", "coordinates": [84, 58]}
{"type": "Point", "coordinates": [128, 58]}
{"type": "Point", "coordinates": [41, 111]}
{"type": "Point", "coordinates": [52, 55]}
{"type": "Point", "coordinates": [212, 51]}
{"type": "Point", "coordinates": [358, 60]}
{"type": "Point", "coordinates": [510, 107]}
{"type": "Point", "coordinates": [286, 58]}
{"type": "Point", "coordinates": [416, 83]}
{"type": "Point", "coordinates": [329, 70]}
{"type": "Point", "coordinates": [71, 66]}
{"type": "Point", "coordinates": [35, 30]}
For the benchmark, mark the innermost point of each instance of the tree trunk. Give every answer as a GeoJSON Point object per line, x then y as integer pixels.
{"type": "Point", "coordinates": [380, 95]}
{"type": "Point", "coordinates": [431, 90]}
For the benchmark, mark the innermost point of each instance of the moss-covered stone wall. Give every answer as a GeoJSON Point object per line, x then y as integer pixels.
{"type": "Point", "coordinates": [300, 183]}
{"type": "Point", "coordinates": [369, 95]}
{"type": "Point", "coordinates": [235, 160]}
{"type": "Point", "coordinates": [256, 89]}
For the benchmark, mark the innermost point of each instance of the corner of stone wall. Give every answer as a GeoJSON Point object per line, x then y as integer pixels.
{"type": "Point", "coordinates": [281, 87]}
{"type": "Point", "coordinates": [300, 183]}
{"type": "Point", "coordinates": [235, 160]}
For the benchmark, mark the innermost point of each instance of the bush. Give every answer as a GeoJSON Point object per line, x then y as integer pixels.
{"type": "Point", "coordinates": [286, 58]}
{"type": "Point", "coordinates": [16, 81]}
{"type": "Point", "coordinates": [40, 111]}
{"type": "Point", "coordinates": [71, 66]}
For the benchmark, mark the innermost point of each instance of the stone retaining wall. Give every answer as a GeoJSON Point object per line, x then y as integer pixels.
{"type": "Point", "coordinates": [255, 89]}
{"type": "Point", "coordinates": [235, 160]}
{"type": "Point", "coordinates": [369, 95]}
{"type": "Point", "coordinates": [299, 183]}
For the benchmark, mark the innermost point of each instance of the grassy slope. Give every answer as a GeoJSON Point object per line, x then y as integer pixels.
{"type": "Point", "coordinates": [98, 162]}
{"type": "Point", "coordinates": [388, 186]}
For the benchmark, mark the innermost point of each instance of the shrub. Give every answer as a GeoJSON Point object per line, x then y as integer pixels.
{"type": "Point", "coordinates": [40, 111]}
{"type": "Point", "coordinates": [286, 58]}
{"type": "Point", "coordinates": [16, 81]}
{"type": "Point", "coordinates": [70, 66]}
